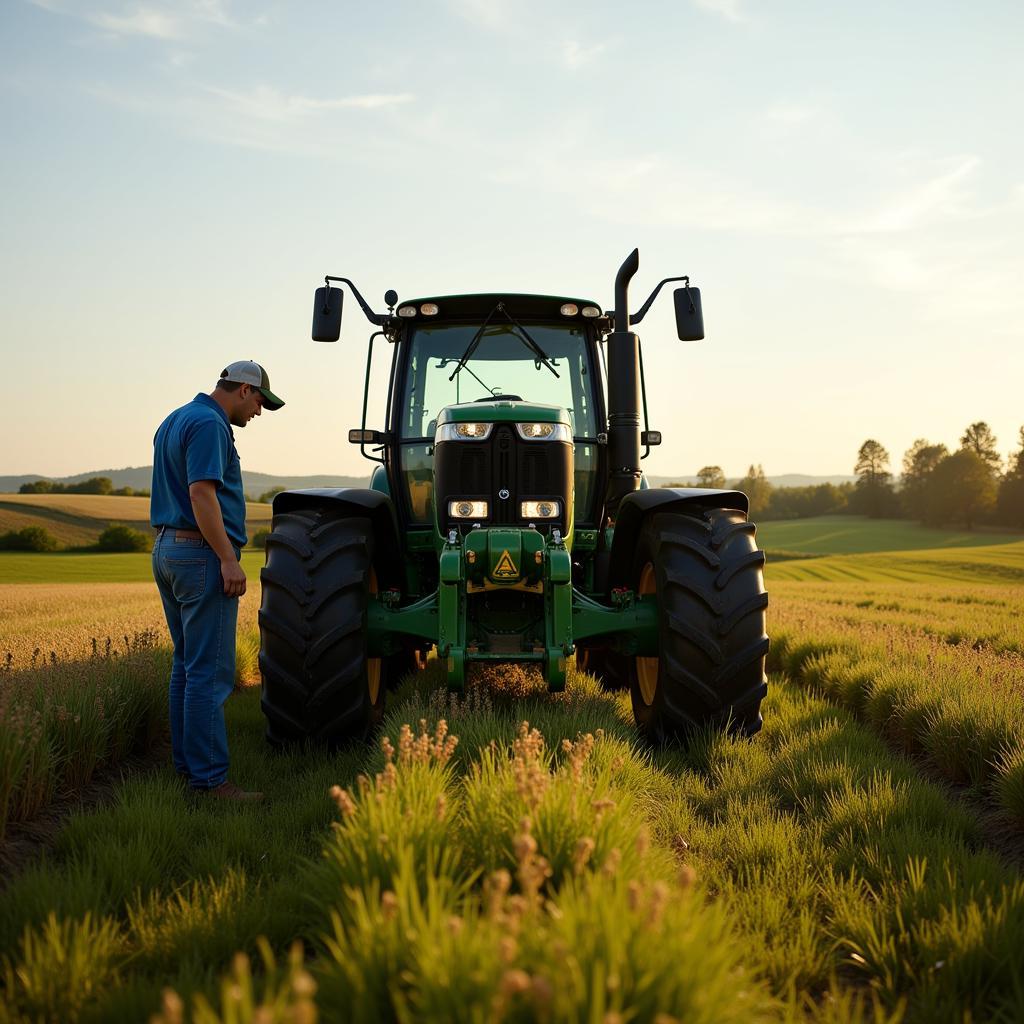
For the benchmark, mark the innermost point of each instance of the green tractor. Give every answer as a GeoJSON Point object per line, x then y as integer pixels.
{"type": "Point", "coordinates": [508, 520]}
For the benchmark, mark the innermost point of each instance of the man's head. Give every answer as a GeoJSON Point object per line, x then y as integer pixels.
{"type": "Point", "coordinates": [243, 391]}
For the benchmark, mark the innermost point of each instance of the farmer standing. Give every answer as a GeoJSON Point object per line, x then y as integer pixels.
{"type": "Point", "coordinates": [198, 507]}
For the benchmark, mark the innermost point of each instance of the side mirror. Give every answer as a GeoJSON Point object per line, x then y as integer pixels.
{"type": "Point", "coordinates": [689, 316]}
{"type": "Point", "coordinates": [327, 314]}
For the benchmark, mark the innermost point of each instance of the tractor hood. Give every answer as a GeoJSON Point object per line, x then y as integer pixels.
{"type": "Point", "coordinates": [503, 411]}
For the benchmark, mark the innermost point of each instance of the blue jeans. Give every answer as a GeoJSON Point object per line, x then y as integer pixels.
{"type": "Point", "coordinates": [202, 623]}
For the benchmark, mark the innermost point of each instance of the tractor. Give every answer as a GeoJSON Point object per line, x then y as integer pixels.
{"type": "Point", "coordinates": [507, 519]}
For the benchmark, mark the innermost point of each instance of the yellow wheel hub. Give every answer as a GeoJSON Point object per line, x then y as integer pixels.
{"type": "Point", "coordinates": [647, 668]}
{"type": "Point", "coordinates": [373, 665]}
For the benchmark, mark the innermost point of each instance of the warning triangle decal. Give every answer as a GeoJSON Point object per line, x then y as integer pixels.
{"type": "Point", "coordinates": [506, 568]}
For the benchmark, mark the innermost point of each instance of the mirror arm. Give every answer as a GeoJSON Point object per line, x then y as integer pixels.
{"type": "Point", "coordinates": [642, 311]}
{"type": "Point", "coordinates": [366, 389]}
{"type": "Point", "coordinates": [378, 319]}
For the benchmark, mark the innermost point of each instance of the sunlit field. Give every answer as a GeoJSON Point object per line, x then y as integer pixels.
{"type": "Point", "coordinates": [517, 855]}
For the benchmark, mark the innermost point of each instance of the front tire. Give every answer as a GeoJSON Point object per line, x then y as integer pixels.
{"type": "Point", "coordinates": [318, 683]}
{"type": "Point", "coordinates": [707, 573]}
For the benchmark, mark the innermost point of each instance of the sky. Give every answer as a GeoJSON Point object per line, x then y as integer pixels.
{"type": "Point", "coordinates": [844, 182]}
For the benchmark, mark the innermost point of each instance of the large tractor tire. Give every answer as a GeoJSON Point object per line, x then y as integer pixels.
{"type": "Point", "coordinates": [318, 683]}
{"type": "Point", "coordinates": [707, 573]}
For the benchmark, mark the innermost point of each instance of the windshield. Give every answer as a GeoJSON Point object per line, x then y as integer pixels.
{"type": "Point", "coordinates": [501, 364]}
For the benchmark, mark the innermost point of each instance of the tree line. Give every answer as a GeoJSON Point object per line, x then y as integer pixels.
{"type": "Point", "coordinates": [94, 485]}
{"type": "Point", "coordinates": [968, 486]}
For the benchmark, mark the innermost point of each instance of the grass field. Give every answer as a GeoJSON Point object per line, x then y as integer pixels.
{"type": "Point", "coordinates": [849, 535]}
{"type": "Point", "coordinates": [77, 520]}
{"type": "Point", "coordinates": [857, 860]}
{"type": "Point", "coordinates": [18, 567]}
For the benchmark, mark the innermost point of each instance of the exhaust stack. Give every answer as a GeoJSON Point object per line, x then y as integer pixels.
{"type": "Point", "coordinates": [623, 395]}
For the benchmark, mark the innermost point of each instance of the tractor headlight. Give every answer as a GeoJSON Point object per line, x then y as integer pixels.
{"type": "Point", "coordinates": [544, 432]}
{"type": "Point", "coordinates": [540, 509]}
{"type": "Point", "coordinates": [463, 432]}
{"type": "Point", "coordinates": [461, 508]}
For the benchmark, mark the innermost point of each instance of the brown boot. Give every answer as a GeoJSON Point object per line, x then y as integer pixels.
{"type": "Point", "coordinates": [229, 791]}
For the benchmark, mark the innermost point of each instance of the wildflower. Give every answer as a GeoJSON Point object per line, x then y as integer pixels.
{"type": "Point", "coordinates": [344, 800]}
{"type": "Point", "coordinates": [515, 981]}
{"type": "Point", "coordinates": [388, 904]}
{"type": "Point", "coordinates": [612, 862]}
{"type": "Point", "coordinates": [584, 848]}
{"type": "Point", "coordinates": [507, 949]}
{"type": "Point", "coordinates": [659, 898]}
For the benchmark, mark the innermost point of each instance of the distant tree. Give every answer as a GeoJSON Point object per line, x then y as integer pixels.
{"type": "Point", "coordinates": [710, 476]}
{"type": "Point", "coordinates": [1010, 501]}
{"type": "Point", "coordinates": [94, 485]}
{"type": "Point", "coordinates": [757, 489]}
{"type": "Point", "coordinates": [36, 487]}
{"type": "Point", "coordinates": [29, 538]}
{"type": "Point", "coordinates": [268, 496]}
{"type": "Point", "coordinates": [259, 539]}
{"type": "Point", "coordinates": [978, 438]}
{"type": "Point", "coordinates": [919, 463]}
{"type": "Point", "coordinates": [874, 495]}
{"type": "Point", "coordinates": [961, 489]}
{"type": "Point", "coordinates": [801, 502]}
{"type": "Point", "coordinates": [123, 538]}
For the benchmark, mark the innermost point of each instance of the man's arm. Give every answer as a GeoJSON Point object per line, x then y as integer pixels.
{"type": "Point", "coordinates": [206, 509]}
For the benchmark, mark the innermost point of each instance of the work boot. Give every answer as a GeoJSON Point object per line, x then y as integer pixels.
{"type": "Point", "coordinates": [229, 791]}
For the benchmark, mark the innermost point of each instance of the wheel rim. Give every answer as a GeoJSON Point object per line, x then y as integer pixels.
{"type": "Point", "coordinates": [647, 668]}
{"type": "Point", "coordinates": [373, 665]}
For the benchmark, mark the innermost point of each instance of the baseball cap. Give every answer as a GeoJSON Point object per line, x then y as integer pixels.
{"type": "Point", "coordinates": [245, 371]}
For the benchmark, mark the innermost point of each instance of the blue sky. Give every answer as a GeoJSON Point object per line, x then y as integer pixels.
{"type": "Point", "coordinates": [844, 182]}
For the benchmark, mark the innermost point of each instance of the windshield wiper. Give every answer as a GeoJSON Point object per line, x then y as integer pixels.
{"type": "Point", "coordinates": [522, 336]}
{"type": "Point", "coordinates": [473, 342]}
{"type": "Point", "coordinates": [525, 337]}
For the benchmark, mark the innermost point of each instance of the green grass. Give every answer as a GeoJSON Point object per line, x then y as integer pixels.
{"type": "Point", "coordinates": [849, 535]}
{"type": "Point", "coordinates": [809, 874]}
{"type": "Point", "coordinates": [61, 567]}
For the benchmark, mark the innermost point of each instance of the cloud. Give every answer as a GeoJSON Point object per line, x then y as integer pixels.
{"type": "Point", "coordinates": [728, 9]}
{"type": "Point", "coordinates": [940, 197]}
{"type": "Point", "coordinates": [156, 20]}
{"type": "Point", "coordinates": [142, 21]}
{"type": "Point", "coordinates": [575, 55]}
{"type": "Point", "coordinates": [491, 15]}
{"type": "Point", "coordinates": [267, 103]}
{"type": "Point", "coordinates": [263, 118]}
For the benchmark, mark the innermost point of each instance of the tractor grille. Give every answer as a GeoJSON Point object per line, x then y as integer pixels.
{"type": "Point", "coordinates": [482, 470]}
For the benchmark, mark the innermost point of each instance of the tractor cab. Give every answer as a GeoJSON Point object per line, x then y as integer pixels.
{"type": "Point", "coordinates": [497, 417]}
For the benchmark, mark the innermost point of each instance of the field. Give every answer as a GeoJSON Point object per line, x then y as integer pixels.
{"type": "Point", "coordinates": [77, 520]}
{"type": "Point", "coordinates": [860, 859]}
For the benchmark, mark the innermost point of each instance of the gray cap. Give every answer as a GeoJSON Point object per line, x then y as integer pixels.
{"type": "Point", "coordinates": [245, 371]}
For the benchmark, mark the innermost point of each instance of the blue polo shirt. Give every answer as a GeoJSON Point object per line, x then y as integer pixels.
{"type": "Point", "coordinates": [196, 443]}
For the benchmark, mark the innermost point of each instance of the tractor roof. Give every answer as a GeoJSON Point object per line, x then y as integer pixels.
{"type": "Point", "coordinates": [477, 307]}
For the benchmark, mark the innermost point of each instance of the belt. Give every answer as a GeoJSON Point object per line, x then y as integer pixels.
{"type": "Point", "coordinates": [181, 534]}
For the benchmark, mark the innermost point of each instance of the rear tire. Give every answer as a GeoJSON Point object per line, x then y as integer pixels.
{"type": "Point", "coordinates": [707, 573]}
{"type": "Point", "coordinates": [318, 683]}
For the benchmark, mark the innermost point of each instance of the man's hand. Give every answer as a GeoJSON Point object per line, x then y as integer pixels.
{"type": "Point", "coordinates": [234, 577]}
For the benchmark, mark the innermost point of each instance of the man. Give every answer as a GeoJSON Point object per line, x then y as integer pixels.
{"type": "Point", "coordinates": [198, 507]}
